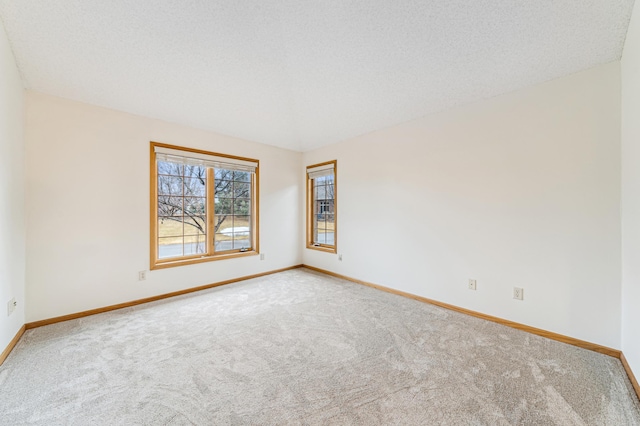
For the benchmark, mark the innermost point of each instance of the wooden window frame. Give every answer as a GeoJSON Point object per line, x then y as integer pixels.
{"type": "Point", "coordinates": [211, 255]}
{"type": "Point", "coordinates": [309, 216]}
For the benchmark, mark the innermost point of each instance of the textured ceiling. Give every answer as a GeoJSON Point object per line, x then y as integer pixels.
{"type": "Point", "coordinates": [300, 74]}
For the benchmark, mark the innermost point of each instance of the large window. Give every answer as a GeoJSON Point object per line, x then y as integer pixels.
{"type": "Point", "coordinates": [203, 206]}
{"type": "Point", "coordinates": [322, 207]}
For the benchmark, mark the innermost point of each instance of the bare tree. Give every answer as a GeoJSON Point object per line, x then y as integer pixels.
{"type": "Point", "coordinates": [182, 194]}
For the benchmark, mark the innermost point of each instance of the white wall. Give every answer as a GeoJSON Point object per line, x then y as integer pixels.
{"type": "Point", "coordinates": [88, 207]}
{"type": "Point", "coordinates": [12, 226]}
{"type": "Point", "coordinates": [631, 194]}
{"type": "Point", "coordinates": [520, 190]}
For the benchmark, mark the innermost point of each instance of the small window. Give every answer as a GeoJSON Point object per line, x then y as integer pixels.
{"type": "Point", "coordinates": [322, 229]}
{"type": "Point", "coordinates": [203, 206]}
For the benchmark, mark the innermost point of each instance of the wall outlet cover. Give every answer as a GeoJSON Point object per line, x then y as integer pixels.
{"type": "Point", "coordinates": [11, 306]}
{"type": "Point", "coordinates": [518, 293]}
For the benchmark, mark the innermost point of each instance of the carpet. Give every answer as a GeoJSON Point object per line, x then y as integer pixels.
{"type": "Point", "coordinates": [299, 347]}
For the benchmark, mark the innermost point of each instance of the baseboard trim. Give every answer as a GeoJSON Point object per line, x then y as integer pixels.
{"type": "Point", "coordinates": [544, 333]}
{"type": "Point", "coordinates": [12, 344]}
{"type": "Point", "coordinates": [82, 314]}
{"type": "Point", "coordinates": [632, 377]}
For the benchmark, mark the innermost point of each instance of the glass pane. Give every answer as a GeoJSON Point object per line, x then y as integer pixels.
{"type": "Point", "coordinates": [168, 227]}
{"type": "Point", "coordinates": [168, 168]}
{"type": "Point", "coordinates": [227, 226]}
{"type": "Point", "coordinates": [242, 206]}
{"type": "Point", "coordinates": [195, 206]}
{"type": "Point", "coordinates": [330, 192]}
{"type": "Point", "coordinates": [192, 171]}
{"type": "Point", "coordinates": [169, 185]}
{"type": "Point", "coordinates": [223, 222]}
{"type": "Point", "coordinates": [223, 242]}
{"type": "Point", "coordinates": [328, 235]}
{"type": "Point", "coordinates": [329, 179]}
{"type": "Point", "coordinates": [224, 206]}
{"type": "Point", "coordinates": [223, 174]}
{"type": "Point", "coordinates": [330, 238]}
{"type": "Point", "coordinates": [169, 247]}
{"type": "Point", "coordinates": [194, 245]}
{"type": "Point", "coordinates": [195, 187]}
{"type": "Point", "coordinates": [329, 232]}
{"type": "Point", "coordinates": [169, 206]}
{"type": "Point", "coordinates": [241, 240]}
{"type": "Point", "coordinates": [320, 192]}
{"type": "Point", "coordinates": [195, 225]}
{"type": "Point", "coordinates": [319, 180]}
{"type": "Point", "coordinates": [329, 220]}
{"type": "Point", "coordinates": [320, 237]}
{"type": "Point", "coordinates": [223, 189]}
{"type": "Point", "coordinates": [242, 190]}
{"type": "Point", "coordinates": [242, 176]}
{"type": "Point", "coordinates": [241, 223]}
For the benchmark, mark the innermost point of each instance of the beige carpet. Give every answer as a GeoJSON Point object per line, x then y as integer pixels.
{"type": "Point", "coordinates": [303, 348]}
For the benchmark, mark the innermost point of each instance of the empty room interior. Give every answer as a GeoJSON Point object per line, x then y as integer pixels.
{"type": "Point", "coordinates": [329, 212]}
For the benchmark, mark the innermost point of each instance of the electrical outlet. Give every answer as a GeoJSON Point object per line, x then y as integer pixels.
{"type": "Point", "coordinates": [142, 275]}
{"type": "Point", "coordinates": [340, 257]}
{"type": "Point", "coordinates": [11, 306]}
{"type": "Point", "coordinates": [261, 256]}
{"type": "Point", "coordinates": [472, 284]}
{"type": "Point", "coordinates": [518, 293]}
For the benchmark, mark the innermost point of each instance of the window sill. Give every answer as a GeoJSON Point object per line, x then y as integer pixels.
{"type": "Point", "coordinates": [325, 249]}
{"type": "Point", "coordinates": [193, 260]}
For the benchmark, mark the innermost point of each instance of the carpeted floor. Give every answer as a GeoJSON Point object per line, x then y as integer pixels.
{"type": "Point", "coordinates": [303, 348]}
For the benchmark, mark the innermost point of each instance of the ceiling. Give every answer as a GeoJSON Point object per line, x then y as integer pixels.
{"type": "Point", "coordinates": [301, 74]}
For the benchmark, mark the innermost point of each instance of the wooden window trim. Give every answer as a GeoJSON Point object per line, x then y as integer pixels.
{"type": "Point", "coordinates": [156, 263]}
{"type": "Point", "coordinates": [309, 216]}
